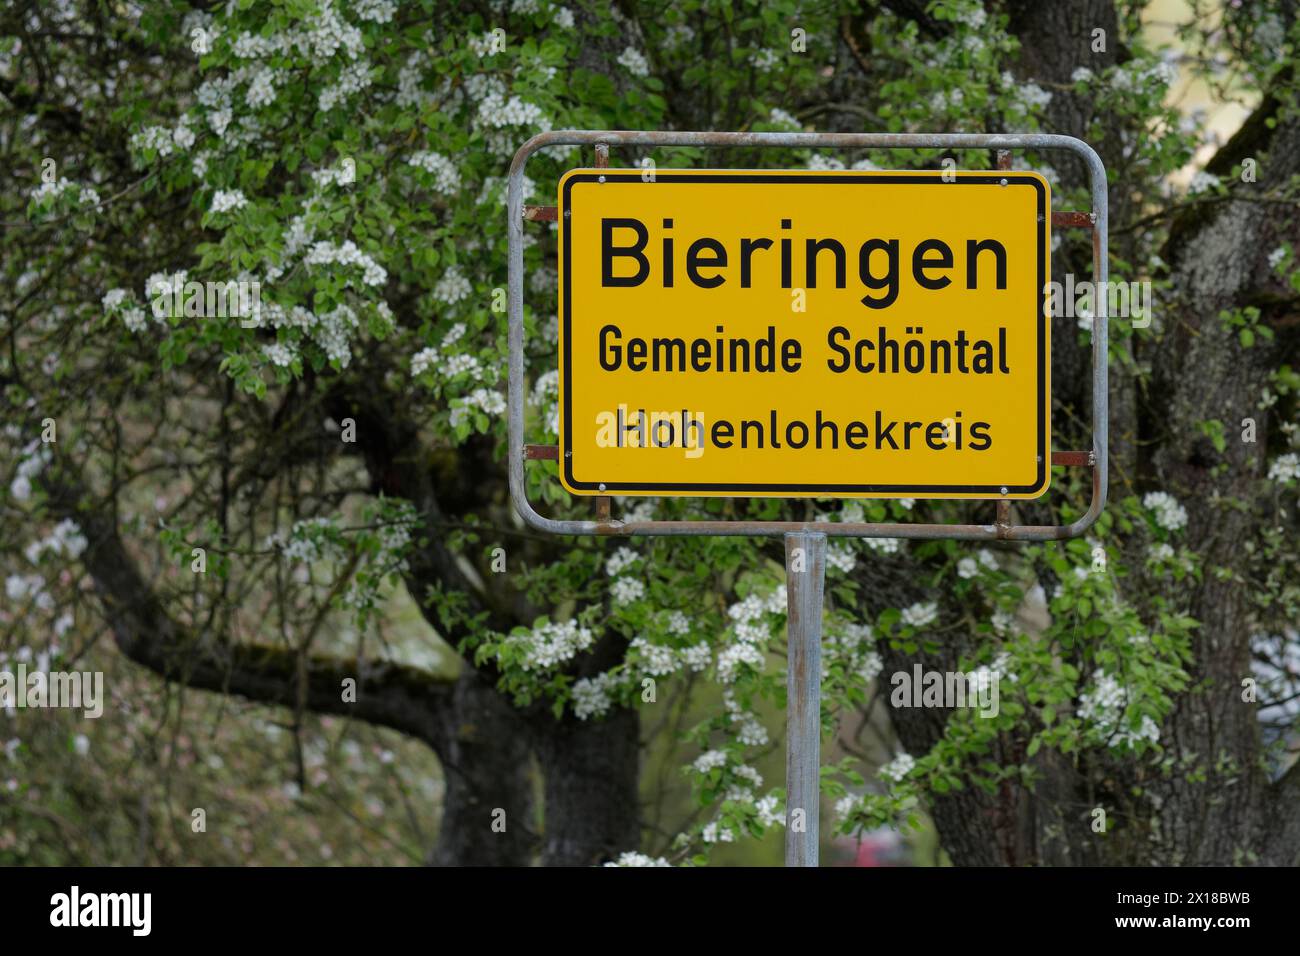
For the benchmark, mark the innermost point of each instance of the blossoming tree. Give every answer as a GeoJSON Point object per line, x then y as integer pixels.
{"type": "Point", "coordinates": [241, 499]}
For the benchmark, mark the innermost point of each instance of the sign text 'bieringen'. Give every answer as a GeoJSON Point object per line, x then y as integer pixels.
{"type": "Point", "coordinates": [801, 333]}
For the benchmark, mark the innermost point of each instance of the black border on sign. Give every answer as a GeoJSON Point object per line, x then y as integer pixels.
{"type": "Point", "coordinates": [740, 489]}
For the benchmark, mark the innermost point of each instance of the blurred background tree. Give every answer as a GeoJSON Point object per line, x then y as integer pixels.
{"type": "Point", "coordinates": [238, 516]}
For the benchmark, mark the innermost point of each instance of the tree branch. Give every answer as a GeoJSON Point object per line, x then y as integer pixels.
{"type": "Point", "coordinates": [388, 694]}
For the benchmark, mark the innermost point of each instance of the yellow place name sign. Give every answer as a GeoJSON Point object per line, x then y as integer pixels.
{"type": "Point", "coordinates": [804, 333]}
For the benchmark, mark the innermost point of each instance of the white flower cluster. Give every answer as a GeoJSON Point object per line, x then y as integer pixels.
{"type": "Point", "coordinates": [423, 360]}
{"type": "Point", "coordinates": [715, 833]}
{"type": "Point", "coordinates": [884, 545]}
{"type": "Point", "coordinates": [1202, 182]}
{"type": "Point", "coordinates": [634, 61]}
{"type": "Point", "coordinates": [28, 588]}
{"type": "Point", "coordinates": [410, 94]}
{"type": "Point", "coordinates": [446, 177]}
{"type": "Point", "coordinates": [750, 615]}
{"type": "Point", "coordinates": [853, 645]}
{"type": "Point", "coordinates": [65, 538]}
{"type": "Point", "coordinates": [1103, 706]}
{"type": "Point", "coordinates": [591, 696]}
{"type": "Point", "coordinates": [308, 541]}
{"type": "Point", "coordinates": [820, 162]}
{"type": "Point", "coordinates": [452, 287]}
{"type": "Point", "coordinates": [620, 561]}
{"type": "Point", "coordinates": [659, 660]}
{"type": "Point", "coordinates": [841, 557]}
{"type": "Point", "coordinates": [377, 11]}
{"type": "Point", "coordinates": [551, 644]}
{"type": "Point", "coordinates": [1138, 76]}
{"type": "Point", "coordinates": [353, 78]}
{"type": "Point", "coordinates": [783, 119]}
{"type": "Point", "coordinates": [750, 730]}
{"type": "Point", "coordinates": [1161, 552]}
{"type": "Point", "coordinates": [261, 88]}
{"type": "Point", "coordinates": [944, 101]}
{"type": "Point", "coordinates": [1169, 514]}
{"type": "Point", "coordinates": [46, 192]}
{"type": "Point", "coordinates": [898, 768]}
{"type": "Point", "coordinates": [974, 16]}
{"type": "Point", "coordinates": [1285, 468]}
{"type": "Point", "coordinates": [226, 200]}
{"type": "Point", "coordinates": [770, 811]}
{"type": "Point", "coordinates": [919, 615]}
{"type": "Point", "coordinates": [635, 859]}
{"type": "Point", "coordinates": [332, 331]}
{"type": "Point", "coordinates": [849, 804]}
{"type": "Point", "coordinates": [710, 760]}
{"type": "Point", "coordinates": [677, 35]}
{"type": "Point", "coordinates": [163, 140]}
{"type": "Point", "coordinates": [766, 60]}
{"type": "Point", "coordinates": [482, 44]}
{"type": "Point", "coordinates": [327, 34]}
{"type": "Point", "coordinates": [497, 112]}
{"type": "Point", "coordinates": [347, 254]}
{"type": "Point", "coordinates": [278, 354]}
{"type": "Point", "coordinates": [463, 364]}
{"type": "Point", "coordinates": [35, 457]}
{"type": "Point", "coordinates": [1003, 621]}
{"type": "Point", "coordinates": [1033, 96]}
{"type": "Point", "coordinates": [752, 629]}
{"type": "Point", "coordinates": [489, 400]}
{"type": "Point", "coordinates": [341, 175]}
{"type": "Point", "coordinates": [624, 591]}
{"type": "Point", "coordinates": [969, 567]}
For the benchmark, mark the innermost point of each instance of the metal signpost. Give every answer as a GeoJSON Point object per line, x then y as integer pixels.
{"type": "Point", "coordinates": [675, 289]}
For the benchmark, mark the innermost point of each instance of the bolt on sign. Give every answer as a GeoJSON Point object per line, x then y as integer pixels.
{"type": "Point", "coordinates": [804, 333]}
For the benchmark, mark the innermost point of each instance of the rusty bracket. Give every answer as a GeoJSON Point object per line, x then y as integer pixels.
{"type": "Point", "coordinates": [542, 452]}
{"type": "Point", "coordinates": [1078, 220]}
{"type": "Point", "coordinates": [1079, 458]}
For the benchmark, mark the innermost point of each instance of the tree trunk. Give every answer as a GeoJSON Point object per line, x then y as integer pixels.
{"type": "Point", "coordinates": [590, 770]}
{"type": "Point", "coordinates": [488, 811]}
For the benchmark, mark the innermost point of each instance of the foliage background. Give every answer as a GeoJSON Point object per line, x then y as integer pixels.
{"type": "Point", "coordinates": [351, 156]}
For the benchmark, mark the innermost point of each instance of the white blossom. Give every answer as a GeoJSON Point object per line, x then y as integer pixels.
{"type": "Point", "coordinates": [636, 859]}
{"type": "Point", "coordinates": [446, 177]}
{"type": "Point", "coordinates": [452, 287]}
{"type": "Point", "coordinates": [620, 561]}
{"type": "Point", "coordinates": [1169, 514]}
{"type": "Point", "coordinates": [919, 615]}
{"type": "Point", "coordinates": [634, 61]}
{"type": "Point", "coordinates": [898, 768]}
{"type": "Point", "coordinates": [224, 201]}
{"type": "Point", "coordinates": [626, 590]}
{"type": "Point", "coordinates": [1285, 468]}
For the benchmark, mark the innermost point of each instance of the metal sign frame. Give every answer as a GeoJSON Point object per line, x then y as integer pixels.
{"type": "Point", "coordinates": [805, 542]}
{"type": "Point", "coordinates": [1002, 528]}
